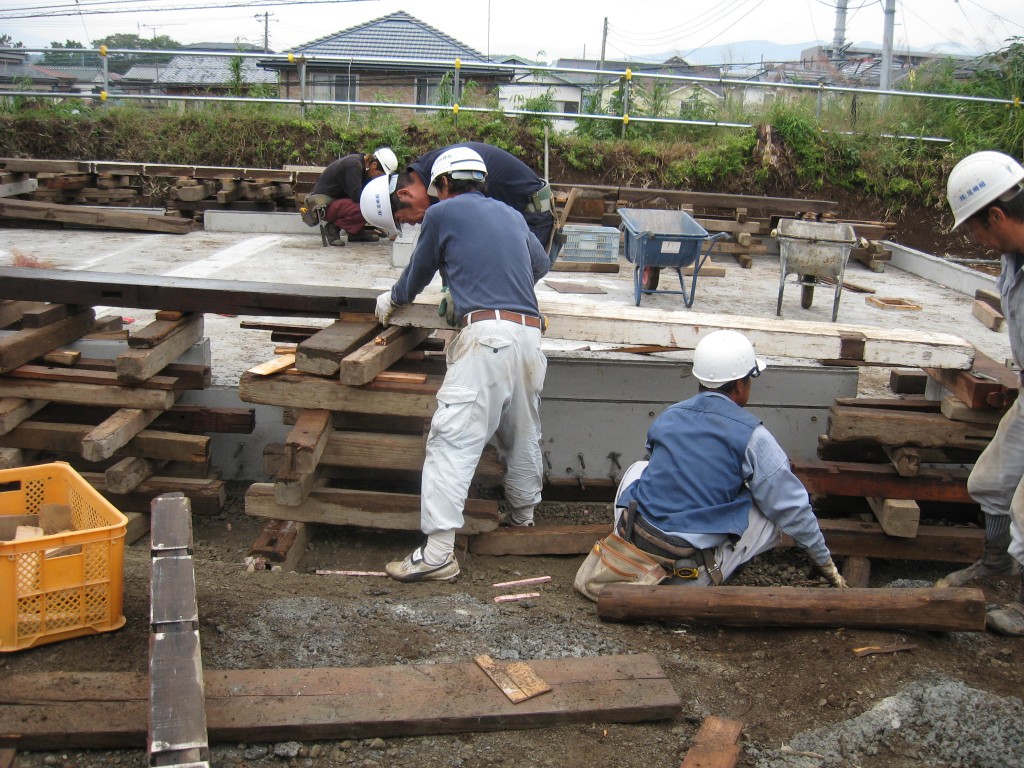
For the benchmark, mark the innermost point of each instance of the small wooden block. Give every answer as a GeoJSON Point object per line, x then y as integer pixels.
{"type": "Point", "coordinates": [991, 318]}
{"type": "Point", "coordinates": [898, 517]}
{"type": "Point", "coordinates": [715, 745]}
{"type": "Point", "coordinates": [168, 314]}
{"type": "Point", "coordinates": [991, 298]}
{"type": "Point", "coordinates": [518, 681]}
{"type": "Point", "coordinates": [891, 303]}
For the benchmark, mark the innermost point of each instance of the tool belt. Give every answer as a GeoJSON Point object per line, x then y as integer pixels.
{"type": "Point", "coordinates": [540, 201]}
{"type": "Point", "coordinates": [686, 560]}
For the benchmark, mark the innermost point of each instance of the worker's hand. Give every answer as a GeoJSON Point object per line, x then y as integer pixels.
{"type": "Point", "coordinates": [446, 308]}
{"type": "Point", "coordinates": [385, 307]}
{"type": "Point", "coordinates": [830, 572]}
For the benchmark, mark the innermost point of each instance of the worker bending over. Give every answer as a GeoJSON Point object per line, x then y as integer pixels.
{"type": "Point", "coordinates": [986, 192]}
{"type": "Point", "coordinates": [718, 489]}
{"type": "Point", "coordinates": [490, 261]}
{"type": "Point", "coordinates": [335, 197]}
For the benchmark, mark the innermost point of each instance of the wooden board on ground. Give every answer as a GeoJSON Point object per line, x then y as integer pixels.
{"type": "Point", "coordinates": [564, 286]}
{"type": "Point", "coordinates": [96, 217]}
{"type": "Point", "coordinates": [715, 745]}
{"type": "Point", "coordinates": [109, 709]}
{"type": "Point", "coordinates": [517, 680]}
{"type": "Point", "coordinates": [941, 610]}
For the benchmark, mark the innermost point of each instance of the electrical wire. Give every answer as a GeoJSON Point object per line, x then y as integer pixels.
{"type": "Point", "coordinates": [1003, 19]}
{"type": "Point", "coordinates": [154, 9]}
{"type": "Point", "coordinates": [712, 39]}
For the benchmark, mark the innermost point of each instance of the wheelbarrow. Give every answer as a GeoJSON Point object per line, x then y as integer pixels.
{"type": "Point", "coordinates": [813, 250]}
{"type": "Point", "coordinates": [657, 240]}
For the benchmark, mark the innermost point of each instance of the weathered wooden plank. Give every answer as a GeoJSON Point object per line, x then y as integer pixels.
{"type": "Point", "coordinates": [307, 440]}
{"type": "Point", "coordinates": [207, 496]}
{"type": "Point", "coordinates": [87, 394]}
{"type": "Point", "coordinates": [898, 517]}
{"type": "Point", "coordinates": [303, 391]}
{"type": "Point", "coordinates": [101, 441]}
{"type": "Point", "coordinates": [237, 297]}
{"type": "Point", "coordinates": [941, 610]}
{"type": "Point", "coordinates": [49, 710]}
{"type": "Point", "coordinates": [847, 478]}
{"type": "Point", "coordinates": [187, 375]}
{"type": "Point", "coordinates": [712, 200]}
{"type": "Point", "coordinates": [954, 408]}
{"type": "Point", "coordinates": [14, 410]}
{"type": "Point", "coordinates": [888, 427]}
{"type": "Point", "coordinates": [159, 331]}
{"type": "Point", "coordinates": [991, 318]}
{"type": "Point", "coordinates": [137, 365]}
{"type": "Point", "coordinates": [281, 543]}
{"type": "Point", "coordinates": [43, 315]}
{"type": "Point", "coordinates": [856, 572]}
{"type": "Point", "coordinates": [83, 375]}
{"type": "Point", "coordinates": [12, 311]}
{"type": "Point", "coordinates": [715, 745]}
{"type": "Point", "coordinates": [126, 475]}
{"type": "Point", "coordinates": [369, 509]}
{"type": "Point", "coordinates": [18, 347]}
{"type": "Point", "coordinates": [988, 384]}
{"type": "Point", "coordinates": [70, 214]}
{"type": "Point", "coordinates": [194, 419]}
{"type": "Point", "coordinates": [365, 363]}
{"type": "Point", "coordinates": [322, 352]}
{"type": "Point", "coordinates": [67, 438]}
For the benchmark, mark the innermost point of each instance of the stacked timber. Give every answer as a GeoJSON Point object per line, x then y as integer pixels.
{"type": "Point", "coordinates": [358, 400]}
{"type": "Point", "coordinates": [117, 421]}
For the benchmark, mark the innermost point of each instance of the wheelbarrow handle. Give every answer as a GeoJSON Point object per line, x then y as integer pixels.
{"type": "Point", "coordinates": [711, 244]}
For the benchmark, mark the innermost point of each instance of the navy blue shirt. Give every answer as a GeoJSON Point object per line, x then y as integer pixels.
{"type": "Point", "coordinates": [345, 177]}
{"type": "Point", "coordinates": [485, 252]}
{"type": "Point", "coordinates": [509, 179]}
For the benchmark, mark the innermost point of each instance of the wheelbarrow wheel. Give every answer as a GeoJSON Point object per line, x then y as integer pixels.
{"type": "Point", "coordinates": [651, 277]}
{"type": "Point", "coordinates": [806, 292]}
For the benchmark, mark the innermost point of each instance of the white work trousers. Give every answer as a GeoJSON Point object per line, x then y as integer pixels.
{"type": "Point", "coordinates": [997, 480]}
{"type": "Point", "coordinates": [492, 389]}
{"type": "Point", "coordinates": [760, 535]}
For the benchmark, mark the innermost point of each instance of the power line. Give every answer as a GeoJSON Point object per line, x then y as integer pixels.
{"type": "Point", "coordinates": [711, 40]}
{"type": "Point", "coordinates": [155, 9]}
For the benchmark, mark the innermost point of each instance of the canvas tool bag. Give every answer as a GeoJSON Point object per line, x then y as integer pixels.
{"type": "Point", "coordinates": [613, 560]}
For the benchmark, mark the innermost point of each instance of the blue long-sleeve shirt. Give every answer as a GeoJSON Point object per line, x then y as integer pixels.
{"type": "Point", "coordinates": [485, 251]}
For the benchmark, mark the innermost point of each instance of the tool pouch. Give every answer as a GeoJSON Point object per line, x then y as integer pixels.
{"type": "Point", "coordinates": [540, 201]}
{"type": "Point", "coordinates": [613, 560]}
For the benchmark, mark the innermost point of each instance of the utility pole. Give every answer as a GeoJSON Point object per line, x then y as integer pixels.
{"type": "Point", "coordinates": [266, 30]}
{"type": "Point", "coordinates": [604, 41]}
{"type": "Point", "coordinates": [885, 76]}
{"type": "Point", "coordinates": [840, 33]}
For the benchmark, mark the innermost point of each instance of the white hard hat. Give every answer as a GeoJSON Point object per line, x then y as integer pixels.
{"type": "Point", "coordinates": [725, 356]}
{"type": "Point", "coordinates": [386, 158]}
{"type": "Point", "coordinates": [459, 163]}
{"type": "Point", "coordinates": [980, 179]}
{"type": "Point", "coordinates": [375, 203]}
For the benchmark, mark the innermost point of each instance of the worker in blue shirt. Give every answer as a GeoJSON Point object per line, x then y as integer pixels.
{"type": "Point", "coordinates": [718, 489]}
{"type": "Point", "coordinates": [490, 261]}
{"type": "Point", "coordinates": [509, 180]}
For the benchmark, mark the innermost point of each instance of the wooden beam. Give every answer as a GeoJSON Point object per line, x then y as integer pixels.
{"type": "Point", "coordinates": [107, 710]}
{"type": "Point", "coordinates": [391, 345]}
{"type": "Point", "coordinates": [712, 199]}
{"type": "Point", "coordinates": [101, 441]}
{"type": "Point", "coordinates": [715, 745]}
{"type": "Point", "coordinates": [107, 219]}
{"type": "Point", "coordinates": [307, 440]}
{"type": "Point", "coordinates": [279, 546]}
{"type": "Point", "coordinates": [207, 496]}
{"type": "Point", "coordinates": [128, 473]}
{"type": "Point", "coordinates": [857, 572]}
{"type": "Point", "coordinates": [138, 364]}
{"type": "Point", "coordinates": [236, 297]}
{"type": "Point", "coordinates": [67, 438]}
{"type": "Point", "coordinates": [847, 478]}
{"type": "Point", "coordinates": [87, 394]}
{"type": "Point", "coordinates": [322, 352]}
{"type": "Point", "coordinates": [936, 610]}
{"type": "Point", "coordinates": [18, 347]}
{"type": "Point", "coordinates": [369, 509]}
{"type": "Point", "coordinates": [304, 391]}
{"type": "Point", "coordinates": [991, 318]}
{"type": "Point", "coordinates": [14, 410]}
{"type": "Point", "coordinates": [898, 517]}
{"type": "Point", "coordinates": [952, 407]}
{"type": "Point", "coordinates": [888, 427]}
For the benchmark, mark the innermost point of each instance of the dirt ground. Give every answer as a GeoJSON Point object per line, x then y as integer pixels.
{"type": "Point", "coordinates": [953, 701]}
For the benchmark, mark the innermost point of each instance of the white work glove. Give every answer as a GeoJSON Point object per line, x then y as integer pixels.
{"type": "Point", "coordinates": [830, 572]}
{"type": "Point", "coordinates": [385, 307]}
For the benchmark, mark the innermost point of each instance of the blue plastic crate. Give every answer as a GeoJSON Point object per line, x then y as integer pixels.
{"type": "Point", "coordinates": [590, 245]}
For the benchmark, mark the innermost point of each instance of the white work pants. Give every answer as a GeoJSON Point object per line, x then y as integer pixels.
{"type": "Point", "coordinates": [997, 480]}
{"type": "Point", "coordinates": [760, 535]}
{"type": "Point", "coordinates": [492, 389]}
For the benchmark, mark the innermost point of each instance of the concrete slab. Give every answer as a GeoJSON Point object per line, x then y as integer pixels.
{"type": "Point", "coordinates": [248, 223]}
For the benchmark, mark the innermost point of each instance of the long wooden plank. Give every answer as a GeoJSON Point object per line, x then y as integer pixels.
{"type": "Point", "coordinates": [109, 709]}
{"type": "Point", "coordinates": [715, 745]}
{"type": "Point", "coordinates": [158, 331]}
{"type": "Point", "coordinates": [712, 199]}
{"type": "Point", "coordinates": [206, 495]}
{"type": "Point", "coordinates": [941, 610]}
{"type": "Point", "coordinates": [365, 363]}
{"type": "Point", "coordinates": [19, 347]}
{"type": "Point", "coordinates": [843, 537]}
{"type": "Point", "coordinates": [369, 509]}
{"type": "Point", "coordinates": [116, 431]}
{"type": "Point", "coordinates": [303, 391]}
{"type": "Point", "coordinates": [322, 352]}
{"type": "Point", "coordinates": [887, 427]}
{"type": "Point", "coordinates": [847, 478]}
{"type": "Point", "coordinates": [87, 394]}
{"type": "Point", "coordinates": [194, 419]}
{"type": "Point", "coordinates": [67, 438]}
{"type": "Point", "coordinates": [237, 297]}
{"type": "Point", "coordinates": [70, 214]}
{"type": "Point", "coordinates": [588, 322]}
{"type": "Point", "coordinates": [14, 410]}
{"type": "Point", "coordinates": [307, 440]}
{"type": "Point", "coordinates": [81, 375]}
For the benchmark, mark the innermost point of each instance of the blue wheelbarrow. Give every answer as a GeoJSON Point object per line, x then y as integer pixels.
{"type": "Point", "coordinates": [657, 240]}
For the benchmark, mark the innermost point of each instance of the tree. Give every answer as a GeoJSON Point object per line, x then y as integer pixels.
{"type": "Point", "coordinates": [122, 62]}
{"type": "Point", "coordinates": [57, 55]}
{"type": "Point", "coordinates": [6, 41]}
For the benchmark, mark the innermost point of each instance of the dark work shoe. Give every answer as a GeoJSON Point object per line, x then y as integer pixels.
{"type": "Point", "coordinates": [1008, 620]}
{"type": "Point", "coordinates": [363, 237]}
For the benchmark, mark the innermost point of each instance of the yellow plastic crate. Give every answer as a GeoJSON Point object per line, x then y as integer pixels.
{"type": "Point", "coordinates": [48, 595]}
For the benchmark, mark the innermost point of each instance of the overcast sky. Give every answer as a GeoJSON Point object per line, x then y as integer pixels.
{"type": "Point", "coordinates": [539, 29]}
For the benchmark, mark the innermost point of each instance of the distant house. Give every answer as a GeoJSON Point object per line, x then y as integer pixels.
{"type": "Point", "coordinates": [396, 58]}
{"type": "Point", "coordinates": [15, 70]}
{"type": "Point", "coordinates": [679, 91]}
{"type": "Point", "coordinates": [195, 75]}
{"type": "Point", "coordinates": [78, 79]}
{"type": "Point", "coordinates": [862, 67]}
{"type": "Point", "coordinates": [527, 84]}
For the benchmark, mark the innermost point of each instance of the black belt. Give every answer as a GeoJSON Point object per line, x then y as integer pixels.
{"type": "Point", "coordinates": [500, 314]}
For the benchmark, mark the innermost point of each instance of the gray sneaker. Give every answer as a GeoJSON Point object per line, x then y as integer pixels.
{"type": "Point", "coordinates": [1008, 620]}
{"type": "Point", "coordinates": [415, 568]}
{"type": "Point", "coordinates": [1005, 566]}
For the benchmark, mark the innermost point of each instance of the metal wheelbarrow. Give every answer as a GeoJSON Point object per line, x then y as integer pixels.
{"type": "Point", "coordinates": [813, 250]}
{"type": "Point", "coordinates": [656, 240]}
